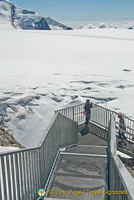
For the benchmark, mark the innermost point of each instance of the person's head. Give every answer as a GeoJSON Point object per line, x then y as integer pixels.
{"type": "Point", "coordinates": [87, 101]}
{"type": "Point", "coordinates": [120, 116]}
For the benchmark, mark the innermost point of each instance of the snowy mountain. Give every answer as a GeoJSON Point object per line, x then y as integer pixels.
{"type": "Point", "coordinates": [12, 16]}
{"type": "Point", "coordinates": [125, 25]}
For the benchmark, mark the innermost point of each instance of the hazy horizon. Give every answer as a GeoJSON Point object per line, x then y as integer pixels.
{"type": "Point", "coordinates": [81, 12]}
{"type": "Point", "coordinates": [77, 24]}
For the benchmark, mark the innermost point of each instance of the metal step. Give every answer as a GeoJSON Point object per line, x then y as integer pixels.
{"type": "Point", "coordinates": [80, 173]}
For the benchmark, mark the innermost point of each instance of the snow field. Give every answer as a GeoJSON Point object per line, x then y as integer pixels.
{"type": "Point", "coordinates": [42, 71]}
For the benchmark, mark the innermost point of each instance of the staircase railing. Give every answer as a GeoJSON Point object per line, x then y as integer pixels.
{"type": "Point", "coordinates": [121, 183]}
{"type": "Point", "coordinates": [24, 172]}
{"type": "Point", "coordinates": [101, 116]}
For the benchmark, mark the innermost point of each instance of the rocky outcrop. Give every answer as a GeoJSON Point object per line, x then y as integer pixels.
{"type": "Point", "coordinates": [56, 25]}
{"type": "Point", "coordinates": [12, 15]}
{"type": "Point", "coordinates": [42, 25]}
{"type": "Point", "coordinates": [8, 140]}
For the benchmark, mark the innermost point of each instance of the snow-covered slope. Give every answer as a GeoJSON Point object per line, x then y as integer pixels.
{"type": "Point", "coordinates": [41, 71]}
{"type": "Point", "coordinates": [12, 16]}
{"type": "Point", "coordinates": [5, 15]}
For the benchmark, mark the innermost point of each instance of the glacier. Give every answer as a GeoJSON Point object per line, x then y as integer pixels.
{"type": "Point", "coordinates": [41, 71]}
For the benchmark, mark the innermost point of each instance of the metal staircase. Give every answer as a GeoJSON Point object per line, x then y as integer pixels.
{"type": "Point", "coordinates": [81, 172]}
{"type": "Point", "coordinates": [64, 161]}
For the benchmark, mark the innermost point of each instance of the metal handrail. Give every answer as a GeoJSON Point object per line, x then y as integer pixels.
{"type": "Point", "coordinates": [27, 170]}
{"type": "Point", "coordinates": [119, 177]}
{"type": "Point", "coordinates": [99, 115]}
{"type": "Point", "coordinates": [96, 105]}
{"type": "Point", "coordinates": [24, 172]}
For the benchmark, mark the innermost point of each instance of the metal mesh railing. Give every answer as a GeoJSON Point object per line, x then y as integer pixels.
{"type": "Point", "coordinates": [100, 116]}
{"type": "Point", "coordinates": [20, 174]}
{"type": "Point", "coordinates": [120, 181]}
{"type": "Point", "coordinates": [24, 172]}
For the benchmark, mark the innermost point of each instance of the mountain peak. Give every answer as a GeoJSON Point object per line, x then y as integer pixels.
{"type": "Point", "coordinates": [6, 1]}
{"type": "Point", "coordinates": [12, 16]}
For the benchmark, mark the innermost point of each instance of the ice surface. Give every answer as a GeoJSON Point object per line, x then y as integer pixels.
{"type": "Point", "coordinates": [41, 71]}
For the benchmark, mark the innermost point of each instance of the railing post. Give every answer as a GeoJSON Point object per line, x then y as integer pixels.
{"type": "Point", "coordinates": [111, 151]}
{"type": "Point", "coordinates": [3, 181]}
{"type": "Point", "coordinates": [73, 112]}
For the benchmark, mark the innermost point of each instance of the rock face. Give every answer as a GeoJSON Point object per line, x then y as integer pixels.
{"type": "Point", "coordinates": [8, 140]}
{"type": "Point", "coordinates": [12, 16]}
{"type": "Point", "coordinates": [54, 25]}
{"type": "Point", "coordinates": [42, 25]}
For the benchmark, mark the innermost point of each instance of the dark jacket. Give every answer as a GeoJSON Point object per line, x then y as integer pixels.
{"type": "Point", "coordinates": [87, 108]}
{"type": "Point", "coordinates": [122, 124]}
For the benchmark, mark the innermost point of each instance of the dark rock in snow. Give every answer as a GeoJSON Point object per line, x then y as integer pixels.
{"type": "Point", "coordinates": [126, 70]}
{"type": "Point", "coordinates": [121, 86]}
{"type": "Point", "coordinates": [26, 12]}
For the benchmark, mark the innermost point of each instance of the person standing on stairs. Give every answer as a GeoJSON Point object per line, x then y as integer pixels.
{"type": "Point", "coordinates": [87, 111]}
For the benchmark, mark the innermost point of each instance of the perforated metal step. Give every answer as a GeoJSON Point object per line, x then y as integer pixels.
{"type": "Point", "coordinates": [80, 173]}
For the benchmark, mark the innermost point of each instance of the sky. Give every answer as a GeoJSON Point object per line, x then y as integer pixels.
{"type": "Point", "coordinates": [81, 10]}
